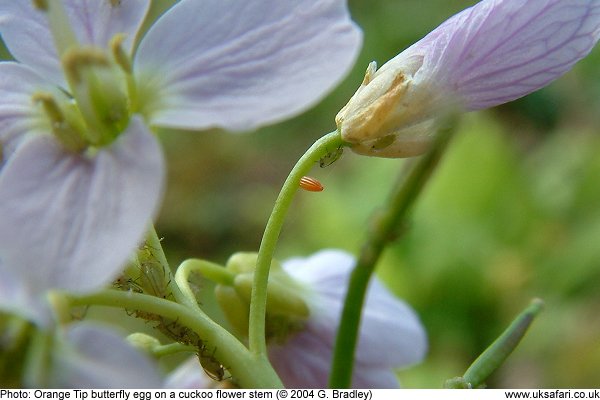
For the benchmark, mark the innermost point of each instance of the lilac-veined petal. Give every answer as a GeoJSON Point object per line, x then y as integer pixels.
{"type": "Point", "coordinates": [486, 55]}
{"type": "Point", "coordinates": [96, 357]}
{"type": "Point", "coordinates": [69, 221]}
{"type": "Point", "coordinates": [500, 50]}
{"type": "Point", "coordinates": [18, 113]}
{"type": "Point", "coordinates": [240, 64]}
{"type": "Point", "coordinates": [390, 336]}
{"type": "Point", "coordinates": [27, 35]}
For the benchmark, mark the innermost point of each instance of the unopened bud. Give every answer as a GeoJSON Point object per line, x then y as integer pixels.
{"type": "Point", "coordinates": [392, 113]}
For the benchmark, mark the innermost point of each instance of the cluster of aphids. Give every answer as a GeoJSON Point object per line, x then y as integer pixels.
{"type": "Point", "coordinates": [148, 276]}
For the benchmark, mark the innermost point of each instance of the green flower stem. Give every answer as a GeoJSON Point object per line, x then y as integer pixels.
{"type": "Point", "coordinates": [249, 370]}
{"type": "Point", "coordinates": [15, 332]}
{"type": "Point", "coordinates": [258, 301]}
{"type": "Point", "coordinates": [209, 270]}
{"type": "Point", "coordinates": [15, 335]}
{"type": "Point", "coordinates": [502, 347]}
{"type": "Point", "coordinates": [37, 361]}
{"type": "Point", "coordinates": [385, 230]}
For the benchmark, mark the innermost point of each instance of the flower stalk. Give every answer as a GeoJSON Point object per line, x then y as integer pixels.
{"type": "Point", "coordinates": [384, 231]}
{"type": "Point", "coordinates": [249, 370]}
{"type": "Point", "coordinates": [258, 302]}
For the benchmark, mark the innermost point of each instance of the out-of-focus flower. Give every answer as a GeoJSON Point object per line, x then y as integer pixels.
{"type": "Point", "coordinates": [82, 173]}
{"type": "Point", "coordinates": [391, 335]}
{"type": "Point", "coordinates": [304, 303]}
{"type": "Point", "coordinates": [82, 354]}
{"type": "Point", "coordinates": [189, 375]}
{"type": "Point", "coordinates": [89, 356]}
{"type": "Point", "coordinates": [486, 55]}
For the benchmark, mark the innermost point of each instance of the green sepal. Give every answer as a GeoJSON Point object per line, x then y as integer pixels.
{"type": "Point", "coordinates": [282, 298]}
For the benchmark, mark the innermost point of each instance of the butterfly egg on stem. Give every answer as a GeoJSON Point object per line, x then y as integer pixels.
{"type": "Point", "coordinates": [311, 184]}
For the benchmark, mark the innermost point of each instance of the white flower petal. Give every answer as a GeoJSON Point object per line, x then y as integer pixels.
{"type": "Point", "coordinates": [189, 375]}
{"type": "Point", "coordinates": [70, 221]}
{"type": "Point", "coordinates": [500, 50]}
{"type": "Point", "coordinates": [96, 357]}
{"type": "Point", "coordinates": [241, 64]}
{"type": "Point", "coordinates": [27, 35]}
{"type": "Point", "coordinates": [303, 361]}
{"type": "Point", "coordinates": [96, 22]}
{"type": "Point", "coordinates": [18, 113]}
{"type": "Point", "coordinates": [16, 297]}
{"type": "Point", "coordinates": [25, 32]}
{"type": "Point", "coordinates": [391, 334]}
{"type": "Point", "coordinates": [375, 378]}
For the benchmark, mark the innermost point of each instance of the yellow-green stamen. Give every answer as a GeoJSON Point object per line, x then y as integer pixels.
{"type": "Point", "coordinates": [64, 131]}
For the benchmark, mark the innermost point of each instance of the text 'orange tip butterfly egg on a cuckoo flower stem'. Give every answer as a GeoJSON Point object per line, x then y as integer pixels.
{"type": "Point", "coordinates": [310, 184]}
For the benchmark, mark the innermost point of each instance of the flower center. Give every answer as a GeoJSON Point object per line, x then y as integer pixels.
{"type": "Point", "coordinates": [100, 92]}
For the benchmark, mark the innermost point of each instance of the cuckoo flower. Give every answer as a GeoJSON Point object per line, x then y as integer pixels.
{"type": "Point", "coordinates": [91, 356]}
{"type": "Point", "coordinates": [304, 302]}
{"type": "Point", "coordinates": [486, 55]}
{"type": "Point", "coordinates": [391, 335]}
{"type": "Point", "coordinates": [82, 172]}
{"type": "Point", "coordinates": [189, 375]}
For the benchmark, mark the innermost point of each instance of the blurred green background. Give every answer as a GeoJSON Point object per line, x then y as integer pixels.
{"type": "Point", "coordinates": [512, 213]}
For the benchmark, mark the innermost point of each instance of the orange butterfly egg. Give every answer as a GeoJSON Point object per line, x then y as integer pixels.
{"type": "Point", "coordinates": [310, 184]}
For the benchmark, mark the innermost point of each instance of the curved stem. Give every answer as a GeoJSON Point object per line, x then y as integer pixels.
{"type": "Point", "coordinates": [385, 230]}
{"type": "Point", "coordinates": [210, 270]}
{"type": "Point", "coordinates": [250, 371]}
{"type": "Point", "coordinates": [258, 301]}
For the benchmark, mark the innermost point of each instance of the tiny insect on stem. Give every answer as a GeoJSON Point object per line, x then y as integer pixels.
{"type": "Point", "coordinates": [311, 184]}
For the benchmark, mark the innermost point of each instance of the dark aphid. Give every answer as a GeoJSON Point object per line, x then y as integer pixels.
{"type": "Point", "coordinates": [331, 157]}
{"type": "Point", "coordinates": [213, 368]}
{"type": "Point", "coordinates": [310, 184]}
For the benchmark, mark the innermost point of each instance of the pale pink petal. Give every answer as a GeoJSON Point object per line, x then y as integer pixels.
{"type": "Point", "coordinates": [71, 221]}
{"type": "Point", "coordinates": [303, 361]}
{"type": "Point", "coordinates": [391, 334]}
{"type": "Point", "coordinates": [27, 35]}
{"type": "Point", "coordinates": [376, 378]}
{"type": "Point", "coordinates": [97, 22]}
{"type": "Point", "coordinates": [240, 64]}
{"type": "Point", "coordinates": [18, 113]}
{"type": "Point", "coordinates": [189, 375]}
{"type": "Point", "coordinates": [500, 50]}
{"type": "Point", "coordinates": [96, 357]}
{"type": "Point", "coordinates": [16, 297]}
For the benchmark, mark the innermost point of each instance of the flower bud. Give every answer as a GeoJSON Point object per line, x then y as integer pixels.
{"type": "Point", "coordinates": [479, 58]}
{"type": "Point", "coordinates": [143, 342]}
{"type": "Point", "coordinates": [391, 113]}
{"type": "Point", "coordinates": [286, 306]}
